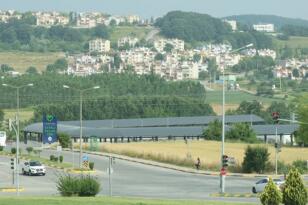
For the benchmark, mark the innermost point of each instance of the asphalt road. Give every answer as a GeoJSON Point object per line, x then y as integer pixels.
{"type": "Point", "coordinates": [132, 180]}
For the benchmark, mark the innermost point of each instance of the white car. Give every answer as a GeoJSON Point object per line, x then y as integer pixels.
{"type": "Point", "coordinates": [33, 168]}
{"type": "Point", "coordinates": [261, 184]}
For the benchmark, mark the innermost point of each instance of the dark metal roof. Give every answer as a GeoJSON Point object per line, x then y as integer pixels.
{"type": "Point", "coordinates": [271, 129]}
{"type": "Point", "coordinates": [94, 128]}
{"type": "Point", "coordinates": [160, 122]}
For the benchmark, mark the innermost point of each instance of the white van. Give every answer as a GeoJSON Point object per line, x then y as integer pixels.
{"type": "Point", "coordinates": [2, 138]}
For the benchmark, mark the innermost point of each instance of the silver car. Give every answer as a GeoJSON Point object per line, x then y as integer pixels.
{"type": "Point", "coordinates": [260, 185]}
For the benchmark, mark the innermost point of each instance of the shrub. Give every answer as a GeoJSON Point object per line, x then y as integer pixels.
{"type": "Point", "coordinates": [55, 159]}
{"type": "Point", "coordinates": [13, 150]}
{"type": "Point", "coordinates": [61, 159]}
{"type": "Point", "coordinates": [29, 150]}
{"type": "Point", "coordinates": [88, 186]}
{"type": "Point", "coordinates": [301, 165]}
{"type": "Point", "coordinates": [1, 148]}
{"type": "Point", "coordinates": [68, 185]}
{"type": "Point", "coordinates": [65, 140]}
{"type": "Point", "coordinates": [91, 165]}
{"type": "Point", "coordinates": [51, 157]}
{"type": "Point", "coordinates": [271, 195]}
{"type": "Point", "coordinates": [294, 191]}
{"type": "Point", "coordinates": [256, 159]}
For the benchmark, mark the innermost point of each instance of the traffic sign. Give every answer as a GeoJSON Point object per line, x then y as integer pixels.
{"type": "Point", "coordinates": [85, 158]}
{"type": "Point", "coordinates": [223, 172]}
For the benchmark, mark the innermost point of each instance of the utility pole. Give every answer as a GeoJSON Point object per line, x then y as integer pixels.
{"type": "Point", "coordinates": [17, 131]}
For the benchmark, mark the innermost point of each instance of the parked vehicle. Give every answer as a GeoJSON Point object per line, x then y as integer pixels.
{"type": "Point", "coordinates": [2, 138]}
{"type": "Point", "coordinates": [261, 184]}
{"type": "Point", "coordinates": [33, 168]}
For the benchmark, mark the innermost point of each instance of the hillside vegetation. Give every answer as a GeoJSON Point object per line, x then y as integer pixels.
{"type": "Point", "coordinates": [195, 27]}
{"type": "Point", "coordinates": [191, 26]}
{"type": "Point", "coordinates": [279, 21]}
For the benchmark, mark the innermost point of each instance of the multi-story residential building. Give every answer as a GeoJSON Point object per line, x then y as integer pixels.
{"type": "Point", "coordinates": [132, 19]}
{"type": "Point", "coordinates": [177, 44]}
{"type": "Point", "coordinates": [5, 16]}
{"type": "Point", "coordinates": [190, 70]}
{"type": "Point", "coordinates": [50, 19]}
{"type": "Point", "coordinates": [269, 28]}
{"type": "Point", "coordinates": [99, 45]}
{"type": "Point", "coordinates": [232, 23]}
{"type": "Point", "coordinates": [127, 40]}
{"type": "Point", "coordinates": [83, 65]}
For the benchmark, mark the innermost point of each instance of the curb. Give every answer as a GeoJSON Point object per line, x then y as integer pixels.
{"type": "Point", "coordinates": [80, 172]}
{"type": "Point", "coordinates": [11, 189]}
{"type": "Point", "coordinates": [234, 195]}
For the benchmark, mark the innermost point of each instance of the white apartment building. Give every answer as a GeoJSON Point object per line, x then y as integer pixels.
{"type": "Point", "coordinates": [99, 45]}
{"type": "Point", "coordinates": [132, 19]}
{"type": "Point", "coordinates": [269, 28]}
{"type": "Point", "coordinates": [50, 19]}
{"type": "Point", "coordinates": [127, 40]}
{"type": "Point", "coordinates": [190, 70]}
{"type": "Point", "coordinates": [267, 52]}
{"type": "Point", "coordinates": [160, 44]}
{"type": "Point", "coordinates": [232, 23]}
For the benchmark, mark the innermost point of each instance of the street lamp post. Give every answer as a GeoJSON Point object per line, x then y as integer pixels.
{"type": "Point", "coordinates": [81, 91]}
{"type": "Point", "coordinates": [17, 125]}
{"type": "Point", "coordinates": [222, 176]}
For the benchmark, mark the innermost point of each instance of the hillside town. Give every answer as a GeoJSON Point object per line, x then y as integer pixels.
{"type": "Point", "coordinates": [167, 58]}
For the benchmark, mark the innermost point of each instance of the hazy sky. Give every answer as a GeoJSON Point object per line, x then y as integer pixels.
{"type": "Point", "coordinates": [156, 8]}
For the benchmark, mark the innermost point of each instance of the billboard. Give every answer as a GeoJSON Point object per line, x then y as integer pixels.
{"type": "Point", "coordinates": [49, 129]}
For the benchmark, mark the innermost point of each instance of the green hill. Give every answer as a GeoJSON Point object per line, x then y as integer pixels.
{"type": "Point", "coordinates": [191, 26]}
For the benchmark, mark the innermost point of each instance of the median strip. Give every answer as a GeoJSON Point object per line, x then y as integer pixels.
{"type": "Point", "coordinates": [11, 189]}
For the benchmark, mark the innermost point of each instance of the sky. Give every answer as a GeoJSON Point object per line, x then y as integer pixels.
{"type": "Point", "coordinates": [157, 8]}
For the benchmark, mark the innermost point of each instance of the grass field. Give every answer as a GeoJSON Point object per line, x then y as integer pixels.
{"type": "Point", "coordinates": [21, 61]}
{"type": "Point", "coordinates": [102, 200]}
{"type": "Point", "coordinates": [25, 114]}
{"type": "Point", "coordinates": [133, 31]}
{"type": "Point", "coordinates": [208, 151]}
{"type": "Point", "coordinates": [293, 42]}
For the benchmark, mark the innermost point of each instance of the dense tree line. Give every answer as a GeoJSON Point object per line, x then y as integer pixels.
{"type": "Point", "coordinates": [257, 63]}
{"type": "Point", "coordinates": [20, 35]}
{"type": "Point", "coordinates": [257, 108]}
{"type": "Point", "coordinates": [127, 107]}
{"type": "Point", "coordinates": [240, 39]}
{"type": "Point", "coordinates": [292, 30]}
{"type": "Point", "coordinates": [48, 88]}
{"type": "Point", "coordinates": [278, 21]}
{"type": "Point", "coordinates": [193, 27]}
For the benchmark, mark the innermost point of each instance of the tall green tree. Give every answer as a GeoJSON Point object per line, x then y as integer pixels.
{"type": "Point", "coordinates": [302, 110]}
{"type": "Point", "coordinates": [271, 195]}
{"type": "Point", "coordinates": [242, 132]}
{"type": "Point", "coordinates": [213, 131]}
{"type": "Point", "coordinates": [294, 191]}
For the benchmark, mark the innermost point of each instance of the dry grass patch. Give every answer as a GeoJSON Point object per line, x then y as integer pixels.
{"type": "Point", "coordinates": [208, 151]}
{"type": "Point", "coordinates": [24, 114]}
{"type": "Point", "coordinates": [21, 61]}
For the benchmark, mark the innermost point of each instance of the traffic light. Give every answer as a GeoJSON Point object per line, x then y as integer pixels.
{"type": "Point", "coordinates": [276, 116]}
{"type": "Point", "coordinates": [13, 163]}
{"type": "Point", "coordinates": [225, 160]}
